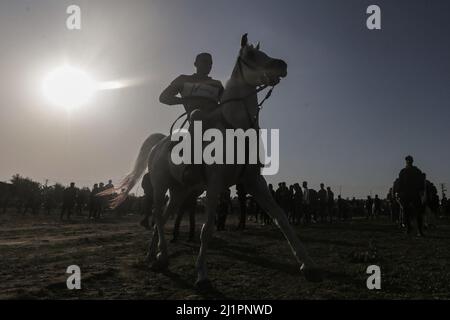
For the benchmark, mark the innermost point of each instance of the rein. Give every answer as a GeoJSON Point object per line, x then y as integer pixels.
{"type": "Point", "coordinates": [176, 120]}
{"type": "Point", "coordinates": [255, 118]}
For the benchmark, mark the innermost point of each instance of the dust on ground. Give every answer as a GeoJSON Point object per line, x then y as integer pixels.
{"type": "Point", "coordinates": [253, 264]}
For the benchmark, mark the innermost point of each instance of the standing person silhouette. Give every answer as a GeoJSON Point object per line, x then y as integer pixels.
{"type": "Point", "coordinates": [376, 208]}
{"type": "Point", "coordinates": [189, 206]}
{"type": "Point", "coordinates": [368, 206]}
{"type": "Point", "coordinates": [330, 203]}
{"type": "Point", "coordinates": [297, 209]}
{"type": "Point", "coordinates": [224, 207]}
{"type": "Point", "coordinates": [322, 197]}
{"type": "Point", "coordinates": [199, 94]}
{"type": "Point", "coordinates": [242, 199]}
{"type": "Point", "coordinates": [306, 203]}
{"type": "Point", "coordinates": [93, 202]}
{"type": "Point", "coordinates": [411, 185]}
{"type": "Point", "coordinates": [69, 199]}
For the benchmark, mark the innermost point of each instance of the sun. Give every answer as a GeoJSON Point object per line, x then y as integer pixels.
{"type": "Point", "coordinates": [69, 87]}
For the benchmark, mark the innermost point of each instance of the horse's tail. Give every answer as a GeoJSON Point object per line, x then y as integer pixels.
{"type": "Point", "coordinates": [121, 192]}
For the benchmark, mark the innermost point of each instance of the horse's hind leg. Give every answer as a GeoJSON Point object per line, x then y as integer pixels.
{"type": "Point", "coordinates": [152, 248]}
{"type": "Point", "coordinates": [176, 226]}
{"type": "Point", "coordinates": [162, 259]}
{"type": "Point", "coordinates": [212, 198]}
{"type": "Point", "coordinates": [176, 198]}
{"type": "Point", "coordinates": [258, 188]}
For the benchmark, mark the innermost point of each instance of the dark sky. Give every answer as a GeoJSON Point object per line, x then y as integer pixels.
{"type": "Point", "coordinates": [354, 104]}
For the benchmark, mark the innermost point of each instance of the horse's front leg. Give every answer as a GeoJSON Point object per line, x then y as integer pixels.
{"type": "Point", "coordinates": [212, 198]}
{"type": "Point", "coordinates": [259, 190]}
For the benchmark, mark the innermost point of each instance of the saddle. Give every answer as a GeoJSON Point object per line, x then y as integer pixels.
{"type": "Point", "coordinates": [209, 120]}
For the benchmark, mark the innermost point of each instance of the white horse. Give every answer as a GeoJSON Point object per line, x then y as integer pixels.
{"type": "Point", "coordinates": [239, 109]}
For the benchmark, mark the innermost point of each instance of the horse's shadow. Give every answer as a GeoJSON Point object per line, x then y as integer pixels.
{"type": "Point", "coordinates": [307, 239]}
{"type": "Point", "coordinates": [185, 280]}
{"type": "Point", "coordinates": [261, 261]}
{"type": "Point", "coordinates": [208, 293]}
{"type": "Point", "coordinates": [243, 254]}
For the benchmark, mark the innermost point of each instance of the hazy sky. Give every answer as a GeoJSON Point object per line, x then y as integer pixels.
{"type": "Point", "coordinates": [355, 101]}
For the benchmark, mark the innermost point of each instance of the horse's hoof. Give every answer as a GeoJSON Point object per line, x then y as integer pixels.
{"type": "Point", "coordinates": [312, 274]}
{"type": "Point", "coordinates": [144, 223]}
{"type": "Point", "coordinates": [150, 258]}
{"type": "Point", "coordinates": [203, 284]}
{"type": "Point", "coordinates": [159, 265]}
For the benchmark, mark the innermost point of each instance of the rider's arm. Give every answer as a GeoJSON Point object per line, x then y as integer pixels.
{"type": "Point", "coordinates": [221, 90]}
{"type": "Point", "coordinates": [169, 95]}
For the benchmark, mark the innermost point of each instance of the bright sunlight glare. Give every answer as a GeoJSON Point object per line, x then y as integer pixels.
{"type": "Point", "coordinates": [69, 87]}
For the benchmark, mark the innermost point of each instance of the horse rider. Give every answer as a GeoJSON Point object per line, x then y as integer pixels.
{"type": "Point", "coordinates": [198, 93]}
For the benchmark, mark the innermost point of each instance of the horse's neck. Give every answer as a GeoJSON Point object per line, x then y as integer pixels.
{"type": "Point", "coordinates": [244, 102]}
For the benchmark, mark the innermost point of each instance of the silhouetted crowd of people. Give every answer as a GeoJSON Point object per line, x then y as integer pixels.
{"type": "Point", "coordinates": [412, 197]}
{"type": "Point", "coordinates": [302, 205]}
{"type": "Point", "coordinates": [25, 195]}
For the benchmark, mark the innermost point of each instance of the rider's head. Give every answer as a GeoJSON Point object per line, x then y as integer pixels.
{"type": "Point", "coordinates": [203, 63]}
{"type": "Point", "coordinates": [409, 161]}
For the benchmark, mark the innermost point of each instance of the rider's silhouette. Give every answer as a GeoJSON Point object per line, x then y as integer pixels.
{"type": "Point", "coordinates": [198, 93]}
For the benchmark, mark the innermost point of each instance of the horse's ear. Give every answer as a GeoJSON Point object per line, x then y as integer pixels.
{"type": "Point", "coordinates": [258, 46]}
{"type": "Point", "coordinates": [244, 40]}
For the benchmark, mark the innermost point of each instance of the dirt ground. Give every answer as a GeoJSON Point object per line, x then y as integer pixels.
{"type": "Point", "coordinates": [252, 264]}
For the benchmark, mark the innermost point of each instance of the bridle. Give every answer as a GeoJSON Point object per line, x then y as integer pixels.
{"type": "Point", "coordinates": [241, 62]}
{"type": "Point", "coordinates": [253, 119]}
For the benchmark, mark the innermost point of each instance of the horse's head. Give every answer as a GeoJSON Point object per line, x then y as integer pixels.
{"type": "Point", "coordinates": [257, 68]}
